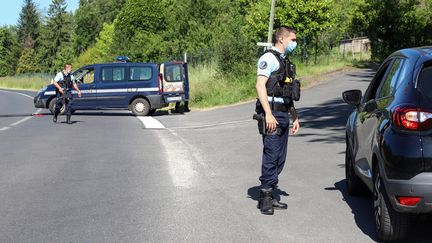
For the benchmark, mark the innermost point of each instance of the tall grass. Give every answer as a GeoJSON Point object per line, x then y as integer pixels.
{"type": "Point", "coordinates": [26, 82]}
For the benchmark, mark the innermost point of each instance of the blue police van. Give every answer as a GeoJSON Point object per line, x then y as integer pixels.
{"type": "Point", "coordinates": [140, 87]}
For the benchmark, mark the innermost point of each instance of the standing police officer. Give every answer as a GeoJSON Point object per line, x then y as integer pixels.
{"type": "Point", "coordinates": [276, 105]}
{"type": "Point", "coordinates": [63, 81]}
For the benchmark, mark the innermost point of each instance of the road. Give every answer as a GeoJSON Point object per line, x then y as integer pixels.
{"type": "Point", "coordinates": [108, 178]}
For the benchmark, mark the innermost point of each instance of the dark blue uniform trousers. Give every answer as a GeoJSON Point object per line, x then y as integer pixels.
{"type": "Point", "coordinates": [69, 102]}
{"type": "Point", "coordinates": [275, 151]}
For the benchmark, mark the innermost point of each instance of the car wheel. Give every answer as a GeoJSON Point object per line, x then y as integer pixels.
{"type": "Point", "coordinates": [390, 224]}
{"type": "Point", "coordinates": [51, 106]}
{"type": "Point", "coordinates": [140, 107]}
{"type": "Point", "coordinates": [355, 185]}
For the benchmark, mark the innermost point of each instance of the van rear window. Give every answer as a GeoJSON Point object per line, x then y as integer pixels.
{"type": "Point", "coordinates": [173, 73]}
{"type": "Point", "coordinates": [425, 82]}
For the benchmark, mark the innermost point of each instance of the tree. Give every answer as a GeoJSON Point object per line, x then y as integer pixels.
{"type": "Point", "coordinates": [56, 34]}
{"type": "Point", "coordinates": [28, 24]}
{"type": "Point", "coordinates": [144, 17]}
{"type": "Point", "coordinates": [90, 17]}
{"type": "Point", "coordinates": [8, 51]}
{"type": "Point", "coordinates": [395, 24]}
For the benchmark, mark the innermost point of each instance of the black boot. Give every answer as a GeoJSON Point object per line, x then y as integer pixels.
{"type": "Point", "coordinates": [265, 203]}
{"type": "Point", "coordinates": [68, 119]}
{"type": "Point", "coordinates": [55, 117]}
{"type": "Point", "coordinates": [278, 205]}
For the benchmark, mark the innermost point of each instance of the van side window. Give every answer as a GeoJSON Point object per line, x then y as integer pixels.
{"type": "Point", "coordinates": [113, 74]}
{"type": "Point", "coordinates": [140, 73]}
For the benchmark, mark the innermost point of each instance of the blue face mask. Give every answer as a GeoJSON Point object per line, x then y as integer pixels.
{"type": "Point", "coordinates": [290, 48]}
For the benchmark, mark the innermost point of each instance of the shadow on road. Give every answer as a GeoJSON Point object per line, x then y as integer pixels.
{"type": "Point", "coordinates": [254, 192]}
{"type": "Point", "coordinates": [329, 116]}
{"type": "Point", "coordinates": [362, 209]}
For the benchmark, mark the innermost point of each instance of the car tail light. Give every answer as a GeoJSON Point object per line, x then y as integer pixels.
{"type": "Point", "coordinates": [414, 119]}
{"type": "Point", "coordinates": [408, 201]}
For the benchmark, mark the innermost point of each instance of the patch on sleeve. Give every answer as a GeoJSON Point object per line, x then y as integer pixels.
{"type": "Point", "coordinates": [263, 65]}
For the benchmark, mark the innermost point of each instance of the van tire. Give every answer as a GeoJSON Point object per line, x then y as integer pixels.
{"type": "Point", "coordinates": [51, 106]}
{"type": "Point", "coordinates": [140, 107]}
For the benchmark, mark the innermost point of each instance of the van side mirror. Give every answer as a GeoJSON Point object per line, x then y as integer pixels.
{"type": "Point", "coordinates": [352, 97]}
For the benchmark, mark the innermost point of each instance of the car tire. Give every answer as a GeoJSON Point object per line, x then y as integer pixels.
{"type": "Point", "coordinates": [140, 107]}
{"type": "Point", "coordinates": [354, 184]}
{"type": "Point", "coordinates": [390, 224]}
{"type": "Point", "coordinates": [51, 106]}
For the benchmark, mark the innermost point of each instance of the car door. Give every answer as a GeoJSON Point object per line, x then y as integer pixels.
{"type": "Point", "coordinates": [367, 120]}
{"type": "Point", "coordinates": [85, 79]}
{"type": "Point", "coordinates": [112, 88]}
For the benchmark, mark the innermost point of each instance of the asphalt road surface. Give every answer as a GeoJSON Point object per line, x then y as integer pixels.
{"type": "Point", "coordinates": [110, 178]}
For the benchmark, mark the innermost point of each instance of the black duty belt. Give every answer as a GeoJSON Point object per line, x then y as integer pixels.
{"type": "Point", "coordinates": [279, 106]}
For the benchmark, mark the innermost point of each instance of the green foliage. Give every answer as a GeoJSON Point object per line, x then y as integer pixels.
{"type": "Point", "coordinates": [90, 18]}
{"type": "Point", "coordinates": [139, 18]}
{"type": "Point", "coordinates": [395, 24]}
{"type": "Point", "coordinates": [28, 24]}
{"type": "Point", "coordinates": [27, 62]}
{"type": "Point", "coordinates": [8, 45]}
{"type": "Point", "coordinates": [56, 36]}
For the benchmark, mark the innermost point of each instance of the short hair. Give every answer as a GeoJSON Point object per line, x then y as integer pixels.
{"type": "Point", "coordinates": [283, 30]}
{"type": "Point", "coordinates": [67, 64]}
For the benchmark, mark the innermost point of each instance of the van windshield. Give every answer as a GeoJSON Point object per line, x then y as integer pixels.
{"type": "Point", "coordinates": [173, 73]}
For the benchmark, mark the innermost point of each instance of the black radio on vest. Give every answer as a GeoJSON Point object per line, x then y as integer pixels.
{"type": "Point", "coordinates": [283, 82]}
{"type": "Point", "coordinates": [66, 83]}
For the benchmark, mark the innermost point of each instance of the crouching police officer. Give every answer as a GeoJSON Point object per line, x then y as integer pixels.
{"type": "Point", "coordinates": [63, 82]}
{"type": "Point", "coordinates": [275, 105]}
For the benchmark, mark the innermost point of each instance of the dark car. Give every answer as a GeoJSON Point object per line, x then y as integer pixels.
{"type": "Point", "coordinates": [389, 141]}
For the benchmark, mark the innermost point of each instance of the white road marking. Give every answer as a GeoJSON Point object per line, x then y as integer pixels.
{"type": "Point", "coordinates": [21, 121]}
{"type": "Point", "coordinates": [150, 122]}
{"type": "Point", "coordinates": [180, 160]}
{"type": "Point", "coordinates": [5, 91]}
{"type": "Point", "coordinates": [24, 119]}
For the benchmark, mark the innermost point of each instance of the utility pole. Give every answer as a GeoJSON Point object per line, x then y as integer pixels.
{"type": "Point", "coordinates": [272, 12]}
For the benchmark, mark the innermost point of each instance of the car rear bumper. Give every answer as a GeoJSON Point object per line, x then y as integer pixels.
{"type": "Point", "coordinates": [418, 186]}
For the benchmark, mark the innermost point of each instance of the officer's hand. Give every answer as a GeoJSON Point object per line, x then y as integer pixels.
{"type": "Point", "coordinates": [271, 123]}
{"type": "Point", "coordinates": [79, 93]}
{"type": "Point", "coordinates": [61, 91]}
{"type": "Point", "coordinates": [295, 127]}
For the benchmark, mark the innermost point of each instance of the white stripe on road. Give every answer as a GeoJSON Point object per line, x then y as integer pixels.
{"type": "Point", "coordinates": [24, 119]}
{"type": "Point", "coordinates": [181, 159]}
{"type": "Point", "coordinates": [16, 93]}
{"type": "Point", "coordinates": [150, 122]}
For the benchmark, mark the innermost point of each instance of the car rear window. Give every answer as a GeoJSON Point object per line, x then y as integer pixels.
{"type": "Point", "coordinates": [173, 73]}
{"type": "Point", "coordinates": [425, 83]}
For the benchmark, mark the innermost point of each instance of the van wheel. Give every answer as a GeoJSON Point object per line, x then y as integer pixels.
{"type": "Point", "coordinates": [140, 107]}
{"type": "Point", "coordinates": [51, 106]}
{"type": "Point", "coordinates": [355, 185]}
{"type": "Point", "coordinates": [390, 224]}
